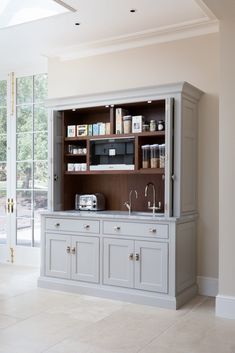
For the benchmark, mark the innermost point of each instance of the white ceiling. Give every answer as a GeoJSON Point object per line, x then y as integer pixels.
{"type": "Point", "coordinates": [104, 24]}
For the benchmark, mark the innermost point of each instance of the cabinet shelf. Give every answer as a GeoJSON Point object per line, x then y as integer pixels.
{"type": "Point", "coordinates": [75, 155]}
{"type": "Point", "coordinates": [160, 171]}
{"type": "Point", "coordinates": [94, 137]}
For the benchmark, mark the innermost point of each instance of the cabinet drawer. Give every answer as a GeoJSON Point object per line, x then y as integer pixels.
{"type": "Point", "coordinates": [138, 229]}
{"type": "Point", "coordinates": [73, 225]}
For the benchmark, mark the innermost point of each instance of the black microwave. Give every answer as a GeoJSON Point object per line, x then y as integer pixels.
{"type": "Point", "coordinates": [112, 154]}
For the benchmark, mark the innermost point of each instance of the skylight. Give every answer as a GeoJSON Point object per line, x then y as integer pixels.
{"type": "Point", "coordinates": [14, 12]}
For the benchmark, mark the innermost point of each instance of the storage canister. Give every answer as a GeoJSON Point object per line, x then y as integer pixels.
{"type": "Point", "coordinates": [127, 122]}
{"type": "Point", "coordinates": [162, 156]}
{"type": "Point", "coordinates": [154, 156]}
{"type": "Point", "coordinates": [153, 125]}
{"type": "Point", "coordinates": [145, 156]}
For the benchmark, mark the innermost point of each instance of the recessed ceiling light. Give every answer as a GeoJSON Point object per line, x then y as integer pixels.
{"type": "Point", "coordinates": [77, 23]}
{"type": "Point", "coordinates": [133, 10]}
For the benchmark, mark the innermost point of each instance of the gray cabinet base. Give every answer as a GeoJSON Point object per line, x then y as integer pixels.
{"type": "Point", "coordinates": [116, 293]}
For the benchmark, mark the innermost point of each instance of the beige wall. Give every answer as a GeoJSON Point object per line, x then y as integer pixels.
{"type": "Point", "coordinates": [194, 60]}
{"type": "Point", "coordinates": [227, 160]}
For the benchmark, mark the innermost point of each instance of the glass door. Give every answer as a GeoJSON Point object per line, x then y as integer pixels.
{"type": "Point", "coordinates": [24, 176]}
{"type": "Point", "coordinates": [3, 163]}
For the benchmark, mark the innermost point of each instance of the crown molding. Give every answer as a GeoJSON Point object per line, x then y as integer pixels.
{"type": "Point", "coordinates": [165, 34]}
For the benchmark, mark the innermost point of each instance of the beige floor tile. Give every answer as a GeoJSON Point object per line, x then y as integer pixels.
{"type": "Point", "coordinates": [40, 332]}
{"type": "Point", "coordinates": [126, 331]}
{"type": "Point", "coordinates": [6, 321]}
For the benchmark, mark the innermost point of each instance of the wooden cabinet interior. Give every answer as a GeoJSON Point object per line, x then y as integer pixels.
{"type": "Point", "coordinates": [114, 184]}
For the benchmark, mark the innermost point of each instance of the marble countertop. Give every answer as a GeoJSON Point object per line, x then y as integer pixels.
{"type": "Point", "coordinates": [111, 215]}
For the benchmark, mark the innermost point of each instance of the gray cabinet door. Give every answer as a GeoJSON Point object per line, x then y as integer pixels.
{"type": "Point", "coordinates": [118, 262]}
{"type": "Point", "coordinates": [151, 266]}
{"type": "Point", "coordinates": [85, 259]}
{"type": "Point", "coordinates": [58, 255]}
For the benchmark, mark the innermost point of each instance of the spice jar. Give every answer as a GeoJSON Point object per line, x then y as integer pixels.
{"type": "Point", "coordinates": [154, 156]}
{"type": "Point", "coordinates": [145, 127]}
{"type": "Point", "coordinates": [153, 125]}
{"type": "Point", "coordinates": [145, 156]}
{"type": "Point", "coordinates": [162, 156]}
{"type": "Point", "coordinates": [127, 121]}
{"type": "Point", "coordinates": [160, 125]}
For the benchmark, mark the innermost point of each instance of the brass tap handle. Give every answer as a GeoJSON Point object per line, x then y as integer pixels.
{"type": "Point", "coordinates": [137, 257]}
{"type": "Point", "coordinates": [131, 257]}
{"type": "Point", "coordinates": [68, 249]}
{"type": "Point", "coordinates": [73, 250]}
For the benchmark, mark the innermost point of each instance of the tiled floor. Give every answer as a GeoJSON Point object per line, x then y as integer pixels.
{"type": "Point", "coordinates": [36, 320]}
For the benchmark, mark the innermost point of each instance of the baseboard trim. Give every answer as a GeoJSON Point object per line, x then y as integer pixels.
{"type": "Point", "coordinates": [207, 286]}
{"type": "Point", "coordinates": [225, 306]}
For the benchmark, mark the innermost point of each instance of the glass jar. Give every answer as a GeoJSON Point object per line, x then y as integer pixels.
{"type": "Point", "coordinates": [162, 156]}
{"type": "Point", "coordinates": [160, 125]}
{"type": "Point", "coordinates": [154, 156]}
{"type": "Point", "coordinates": [127, 122]}
{"type": "Point", "coordinates": [145, 127]}
{"type": "Point", "coordinates": [145, 156]}
{"type": "Point", "coordinates": [153, 125]}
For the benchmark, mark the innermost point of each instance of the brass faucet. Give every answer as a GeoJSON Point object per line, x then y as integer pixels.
{"type": "Point", "coordinates": [153, 207]}
{"type": "Point", "coordinates": [128, 204]}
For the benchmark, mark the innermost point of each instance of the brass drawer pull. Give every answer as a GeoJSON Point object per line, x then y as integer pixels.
{"type": "Point", "coordinates": [117, 228]}
{"type": "Point", "coordinates": [86, 226]}
{"type": "Point", "coordinates": [137, 257]}
{"type": "Point", "coordinates": [131, 257]}
{"type": "Point", "coordinates": [153, 230]}
{"type": "Point", "coordinates": [68, 249]}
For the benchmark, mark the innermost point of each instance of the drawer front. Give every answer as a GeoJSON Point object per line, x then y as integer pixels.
{"type": "Point", "coordinates": [136, 229]}
{"type": "Point", "coordinates": [73, 225]}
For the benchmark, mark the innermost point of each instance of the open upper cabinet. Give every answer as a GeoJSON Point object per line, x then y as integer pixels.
{"type": "Point", "coordinates": [103, 143]}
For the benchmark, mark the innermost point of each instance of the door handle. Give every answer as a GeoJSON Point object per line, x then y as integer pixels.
{"type": "Point", "coordinates": [137, 257]}
{"type": "Point", "coordinates": [68, 249]}
{"type": "Point", "coordinates": [73, 250]}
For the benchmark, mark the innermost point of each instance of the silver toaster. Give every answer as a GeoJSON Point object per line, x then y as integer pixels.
{"type": "Point", "coordinates": [90, 202]}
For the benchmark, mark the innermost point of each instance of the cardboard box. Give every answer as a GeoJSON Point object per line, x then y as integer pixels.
{"type": "Point", "coordinates": [137, 123]}
{"type": "Point", "coordinates": [71, 131]}
{"type": "Point", "coordinates": [81, 130]}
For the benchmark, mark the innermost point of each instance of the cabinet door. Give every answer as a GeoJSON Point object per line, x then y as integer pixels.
{"type": "Point", "coordinates": [55, 166]}
{"type": "Point", "coordinates": [151, 266]}
{"type": "Point", "coordinates": [169, 152]}
{"type": "Point", "coordinates": [85, 259]}
{"type": "Point", "coordinates": [118, 262]}
{"type": "Point", "coordinates": [58, 255]}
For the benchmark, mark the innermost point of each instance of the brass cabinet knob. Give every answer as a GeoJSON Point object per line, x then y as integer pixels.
{"type": "Point", "coordinates": [57, 224]}
{"type": "Point", "coordinates": [86, 226]}
{"type": "Point", "coordinates": [117, 228]}
{"type": "Point", "coordinates": [131, 257]}
{"type": "Point", "coordinates": [68, 249]}
{"type": "Point", "coordinates": [137, 257]}
{"type": "Point", "coordinates": [153, 230]}
{"type": "Point", "coordinates": [73, 250]}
